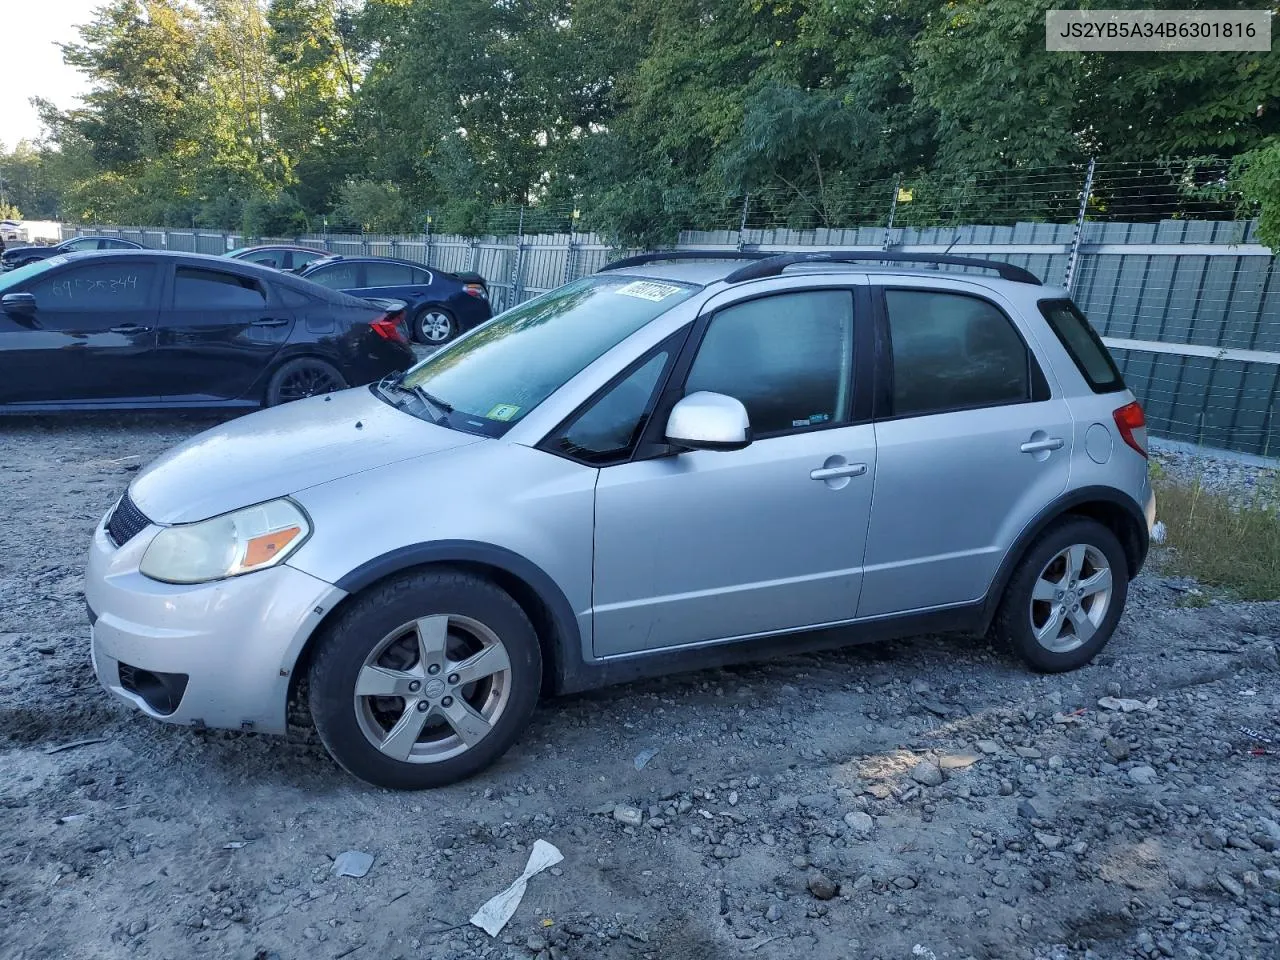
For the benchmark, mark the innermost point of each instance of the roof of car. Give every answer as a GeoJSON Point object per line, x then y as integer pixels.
{"type": "Point", "coordinates": [281, 246]}
{"type": "Point", "coordinates": [706, 272]}
{"type": "Point", "coordinates": [367, 258]}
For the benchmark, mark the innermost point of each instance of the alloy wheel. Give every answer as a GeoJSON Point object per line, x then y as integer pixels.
{"type": "Point", "coordinates": [436, 327]}
{"type": "Point", "coordinates": [1070, 598]}
{"type": "Point", "coordinates": [308, 382]}
{"type": "Point", "coordinates": [433, 688]}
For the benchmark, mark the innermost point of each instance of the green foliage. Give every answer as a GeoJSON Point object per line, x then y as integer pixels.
{"type": "Point", "coordinates": [374, 208]}
{"type": "Point", "coordinates": [9, 212]}
{"type": "Point", "coordinates": [1258, 175]}
{"type": "Point", "coordinates": [645, 115]}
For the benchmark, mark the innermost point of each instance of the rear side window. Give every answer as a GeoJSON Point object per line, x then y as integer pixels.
{"type": "Point", "coordinates": [197, 289]}
{"type": "Point", "coordinates": [1084, 345]}
{"type": "Point", "coordinates": [387, 275]}
{"type": "Point", "coordinates": [953, 352]}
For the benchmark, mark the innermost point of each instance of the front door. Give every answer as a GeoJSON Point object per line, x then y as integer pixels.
{"type": "Point", "coordinates": [219, 333]}
{"type": "Point", "coordinates": [971, 446]}
{"type": "Point", "coordinates": [92, 336]}
{"type": "Point", "coordinates": [707, 545]}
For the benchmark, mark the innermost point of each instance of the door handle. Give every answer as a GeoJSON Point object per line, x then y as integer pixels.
{"type": "Point", "coordinates": [269, 322]}
{"type": "Point", "coordinates": [130, 328]}
{"type": "Point", "coordinates": [831, 473]}
{"type": "Point", "coordinates": [1049, 443]}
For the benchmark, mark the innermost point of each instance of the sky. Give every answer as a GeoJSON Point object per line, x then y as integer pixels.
{"type": "Point", "coordinates": [30, 64]}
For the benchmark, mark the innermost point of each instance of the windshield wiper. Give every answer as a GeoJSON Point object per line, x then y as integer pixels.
{"type": "Point", "coordinates": [431, 401]}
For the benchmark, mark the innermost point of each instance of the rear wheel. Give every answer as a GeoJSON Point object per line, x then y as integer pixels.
{"type": "Point", "coordinates": [1066, 596]}
{"type": "Point", "coordinates": [425, 680]}
{"type": "Point", "coordinates": [434, 326]}
{"type": "Point", "coordinates": [303, 377]}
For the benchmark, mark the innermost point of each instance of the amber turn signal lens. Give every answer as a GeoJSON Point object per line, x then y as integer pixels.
{"type": "Point", "coordinates": [262, 549]}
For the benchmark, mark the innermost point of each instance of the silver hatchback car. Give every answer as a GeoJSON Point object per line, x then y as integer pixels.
{"type": "Point", "coordinates": [677, 462]}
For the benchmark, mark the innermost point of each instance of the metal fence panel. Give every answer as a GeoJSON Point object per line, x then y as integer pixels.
{"type": "Point", "coordinates": [1200, 293]}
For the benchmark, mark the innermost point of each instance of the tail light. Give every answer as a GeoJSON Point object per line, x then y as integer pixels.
{"type": "Point", "coordinates": [388, 328]}
{"type": "Point", "coordinates": [476, 290]}
{"type": "Point", "coordinates": [1132, 424]}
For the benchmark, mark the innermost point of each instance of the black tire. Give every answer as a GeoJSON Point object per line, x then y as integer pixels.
{"type": "Point", "coordinates": [380, 612]}
{"type": "Point", "coordinates": [303, 377]}
{"type": "Point", "coordinates": [434, 325]}
{"type": "Point", "coordinates": [1014, 623]}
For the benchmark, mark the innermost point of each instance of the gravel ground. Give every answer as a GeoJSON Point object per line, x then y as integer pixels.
{"type": "Point", "coordinates": [926, 799]}
{"type": "Point", "coordinates": [1246, 479]}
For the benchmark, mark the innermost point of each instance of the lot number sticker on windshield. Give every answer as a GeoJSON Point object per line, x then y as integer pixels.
{"type": "Point", "coordinates": [503, 411]}
{"type": "Point", "coordinates": [648, 290]}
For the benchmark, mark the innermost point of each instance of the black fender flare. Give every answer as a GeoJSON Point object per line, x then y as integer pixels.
{"type": "Point", "coordinates": [1135, 547]}
{"type": "Point", "coordinates": [563, 647]}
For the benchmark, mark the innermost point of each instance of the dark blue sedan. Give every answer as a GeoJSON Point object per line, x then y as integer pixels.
{"type": "Point", "coordinates": [439, 305]}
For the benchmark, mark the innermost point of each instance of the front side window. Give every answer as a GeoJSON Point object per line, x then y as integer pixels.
{"type": "Point", "coordinates": [267, 258]}
{"type": "Point", "coordinates": [339, 276]}
{"type": "Point", "coordinates": [201, 289]}
{"type": "Point", "coordinates": [787, 357]}
{"type": "Point", "coordinates": [608, 429]}
{"type": "Point", "coordinates": [102, 285]}
{"type": "Point", "coordinates": [83, 243]}
{"type": "Point", "coordinates": [953, 352]}
{"type": "Point", "coordinates": [494, 376]}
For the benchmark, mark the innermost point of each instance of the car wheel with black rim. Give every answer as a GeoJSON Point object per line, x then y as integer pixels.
{"type": "Point", "coordinates": [301, 378]}
{"type": "Point", "coordinates": [434, 326]}
{"type": "Point", "coordinates": [1066, 596]}
{"type": "Point", "coordinates": [425, 680]}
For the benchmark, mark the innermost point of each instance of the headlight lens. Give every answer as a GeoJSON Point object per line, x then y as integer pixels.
{"type": "Point", "coordinates": [240, 542]}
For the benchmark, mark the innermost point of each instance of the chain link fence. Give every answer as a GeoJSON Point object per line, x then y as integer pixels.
{"type": "Point", "coordinates": [1162, 257]}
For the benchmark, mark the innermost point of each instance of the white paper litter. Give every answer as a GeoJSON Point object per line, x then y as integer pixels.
{"type": "Point", "coordinates": [494, 914]}
{"type": "Point", "coordinates": [1159, 532]}
{"type": "Point", "coordinates": [1125, 705]}
{"type": "Point", "coordinates": [352, 863]}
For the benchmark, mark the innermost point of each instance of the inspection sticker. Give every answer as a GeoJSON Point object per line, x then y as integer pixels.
{"type": "Point", "coordinates": [648, 290]}
{"type": "Point", "coordinates": [503, 411]}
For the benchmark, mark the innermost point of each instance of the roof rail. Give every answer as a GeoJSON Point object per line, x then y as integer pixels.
{"type": "Point", "coordinates": [773, 264]}
{"type": "Point", "coordinates": [642, 258]}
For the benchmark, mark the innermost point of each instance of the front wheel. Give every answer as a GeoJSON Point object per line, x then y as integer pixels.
{"type": "Point", "coordinates": [1066, 596]}
{"type": "Point", "coordinates": [425, 680]}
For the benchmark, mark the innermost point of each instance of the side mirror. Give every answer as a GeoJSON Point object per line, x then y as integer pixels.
{"type": "Point", "coordinates": [709, 421]}
{"type": "Point", "coordinates": [23, 304]}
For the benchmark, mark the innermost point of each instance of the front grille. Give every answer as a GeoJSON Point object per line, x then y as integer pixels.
{"type": "Point", "coordinates": [126, 521]}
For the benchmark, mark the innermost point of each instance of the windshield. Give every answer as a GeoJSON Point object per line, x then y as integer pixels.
{"type": "Point", "coordinates": [493, 377]}
{"type": "Point", "coordinates": [15, 278]}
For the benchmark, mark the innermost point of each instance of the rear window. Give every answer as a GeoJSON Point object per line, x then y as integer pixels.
{"type": "Point", "coordinates": [1084, 345]}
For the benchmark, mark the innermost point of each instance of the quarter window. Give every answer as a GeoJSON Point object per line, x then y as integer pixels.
{"type": "Point", "coordinates": [608, 429]}
{"type": "Point", "coordinates": [953, 352]}
{"type": "Point", "coordinates": [788, 358]}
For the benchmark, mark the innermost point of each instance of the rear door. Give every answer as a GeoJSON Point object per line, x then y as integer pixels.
{"type": "Point", "coordinates": [397, 281]}
{"type": "Point", "coordinates": [972, 441]}
{"type": "Point", "coordinates": [91, 338]}
{"type": "Point", "coordinates": [219, 331]}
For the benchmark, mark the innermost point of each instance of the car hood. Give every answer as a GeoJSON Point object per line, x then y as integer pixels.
{"type": "Point", "coordinates": [28, 251]}
{"type": "Point", "coordinates": [283, 450]}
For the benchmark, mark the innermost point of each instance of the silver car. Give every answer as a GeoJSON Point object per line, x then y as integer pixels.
{"type": "Point", "coordinates": [671, 464]}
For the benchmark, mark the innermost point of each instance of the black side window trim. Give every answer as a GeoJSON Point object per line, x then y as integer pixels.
{"type": "Point", "coordinates": [673, 346]}
{"type": "Point", "coordinates": [1038, 383]}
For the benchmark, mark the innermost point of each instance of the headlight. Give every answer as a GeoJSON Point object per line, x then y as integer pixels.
{"type": "Point", "coordinates": [240, 542]}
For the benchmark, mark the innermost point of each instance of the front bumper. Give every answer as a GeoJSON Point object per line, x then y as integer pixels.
{"type": "Point", "coordinates": [214, 654]}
